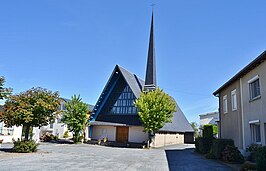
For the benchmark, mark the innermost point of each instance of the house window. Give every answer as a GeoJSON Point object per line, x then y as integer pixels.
{"type": "Point", "coordinates": [225, 104]}
{"type": "Point", "coordinates": [234, 100]}
{"type": "Point", "coordinates": [255, 133]}
{"type": "Point", "coordinates": [254, 87]}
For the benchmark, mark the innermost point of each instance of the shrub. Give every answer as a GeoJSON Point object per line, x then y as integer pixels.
{"type": "Point", "coordinates": [248, 166]}
{"type": "Point", "coordinates": [210, 156]}
{"type": "Point", "coordinates": [48, 137]}
{"type": "Point", "coordinates": [261, 159]}
{"type": "Point", "coordinates": [253, 149]}
{"type": "Point", "coordinates": [56, 137]}
{"type": "Point", "coordinates": [25, 146]}
{"type": "Point", "coordinates": [208, 131]}
{"type": "Point", "coordinates": [66, 134]}
{"type": "Point", "coordinates": [52, 137]}
{"type": "Point", "coordinates": [215, 129]}
{"type": "Point", "coordinates": [218, 146]}
{"type": "Point", "coordinates": [231, 154]}
{"type": "Point", "coordinates": [203, 145]}
{"type": "Point", "coordinates": [197, 144]}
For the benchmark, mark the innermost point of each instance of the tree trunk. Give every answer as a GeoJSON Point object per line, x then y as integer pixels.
{"type": "Point", "coordinates": [27, 132]}
{"type": "Point", "coordinates": [84, 132]}
{"type": "Point", "coordinates": [76, 137]}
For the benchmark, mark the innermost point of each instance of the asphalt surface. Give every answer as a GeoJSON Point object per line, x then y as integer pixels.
{"type": "Point", "coordinates": [93, 157]}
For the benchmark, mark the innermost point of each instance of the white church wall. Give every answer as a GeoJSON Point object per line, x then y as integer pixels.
{"type": "Point", "coordinates": [99, 132]}
{"type": "Point", "coordinates": [137, 135]}
{"type": "Point", "coordinates": [163, 139]}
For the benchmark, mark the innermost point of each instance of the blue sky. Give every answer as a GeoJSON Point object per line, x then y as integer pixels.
{"type": "Point", "coordinates": [73, 46]}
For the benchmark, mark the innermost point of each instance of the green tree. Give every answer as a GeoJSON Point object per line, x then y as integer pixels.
{"type": "Point", "coordinates": [155, 108]}
{"type": "Point", "coordinates": [35, 107]}
{"type": "Point", "coordinates": [75, 116]}
{"type": "Point", "coordinates": [4, 92]}
{"type": "Point", "coordinates": [194, 125]}
{"type": "Point", "coordinates": [214, 128]}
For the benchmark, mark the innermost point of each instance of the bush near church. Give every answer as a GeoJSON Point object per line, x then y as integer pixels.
{"type": "Point", "coordinates": [258, 155]}
{"type": "Point", "coordinates": [261, 159]}
{"type": "Point", "coordinates": [253, 149]}
{"type": "Point", "coordinates": [248, 166]}
{"type": "Point", "coordinates": [25, 146]}
{"type": "Point", "coordinates": [231, 154]}
{"type": "Point", "coordinates": [66, 134]}
{"type": "Point", "coordinates": [47, 137]}
{"type": "Point", "coordinates": [218, 146]}
{"type": "Point", "coordinates": [203, 144]}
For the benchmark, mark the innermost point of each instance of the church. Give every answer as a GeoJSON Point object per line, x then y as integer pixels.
{"type": "Point", "coordinates": [115, 117]}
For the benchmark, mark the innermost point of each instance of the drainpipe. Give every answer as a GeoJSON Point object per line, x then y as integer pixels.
{"type": "Point", "coordinates": [242, 113]}
{"type": "Point", "coordinates": [220, 113]}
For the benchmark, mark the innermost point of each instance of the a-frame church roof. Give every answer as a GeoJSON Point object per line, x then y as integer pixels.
{"type": "Point", "coordinates": [136, 86]}
{"type": "Point", "coordinates": [134, 82]}
{"type": "Point", "coordinates": [179, 121]}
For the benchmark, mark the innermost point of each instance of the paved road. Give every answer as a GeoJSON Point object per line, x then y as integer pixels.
{"type": "Point", "coordinates": [93, 157]}
{"type": "Point", "coordinates": [183, 157]}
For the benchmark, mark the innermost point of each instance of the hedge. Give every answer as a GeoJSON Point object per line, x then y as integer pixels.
{"type": "Point", "coordinates": [231, 154]}
{"type": "Point", "coordinates": [208, 131]}
{"type": "Point", "coordinates": [261, 159]}
{"type": "Point", "coordinates": [25, 146]}
{"type": "Point", "coordinates": [218, 146]}
{"type": "Point", "coordinates": [203, 145]}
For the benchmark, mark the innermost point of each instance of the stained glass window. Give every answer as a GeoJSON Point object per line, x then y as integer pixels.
{"type": "Point", "coordinates": [122, 101]}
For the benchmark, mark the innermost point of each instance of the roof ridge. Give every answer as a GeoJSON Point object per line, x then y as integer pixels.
{"type": "Point", "coordinates": [258, 60]}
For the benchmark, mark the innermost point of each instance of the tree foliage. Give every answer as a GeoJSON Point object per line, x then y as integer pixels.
{"type": "Point", "coordinates": [4, 92]}
{"type": "Point", "coordinates": [75, 116]}
{"type": "Point", "coordinates": [35, 107]}
{"type": "Point", "coordinates": [214, 128]}
{"type": "Point", "coordinates": [194, 125]}
{"type": "Point", "coordinates": [155, 108]}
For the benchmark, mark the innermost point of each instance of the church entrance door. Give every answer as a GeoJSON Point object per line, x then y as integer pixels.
{"type": "Point", "coordinates": [122, 134]}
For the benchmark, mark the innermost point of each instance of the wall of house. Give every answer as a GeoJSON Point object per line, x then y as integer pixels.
{"type": "Point", "coordinates": [99, 132]}
{"type": "Point", "coordinates": [137, 135]}
{"type": "Point", "coordinates": [36, 134]}
{"type": "Point", "coordinates": [255, 109]}
{"type": "Point", "coordinates": [231, 122]}
{"type": "Point", "coordinates": [17, 131]}
{"type": "Point", "coordinates": [59, 129]}
{"type": "Point", "coordinates": [163, 139]}
{"type": "Point", "coordinates": [208, 118]}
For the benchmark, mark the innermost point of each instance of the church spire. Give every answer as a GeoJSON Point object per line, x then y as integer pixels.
{"type": "Point", "coordinates": [150, 80]}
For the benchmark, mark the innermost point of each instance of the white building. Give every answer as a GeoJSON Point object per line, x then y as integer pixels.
{"type": "Point", "coordinates": [208, 118]}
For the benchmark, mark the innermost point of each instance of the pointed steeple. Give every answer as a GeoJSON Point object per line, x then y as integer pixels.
{"type": "Point", "coordinates": [150, 80]}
